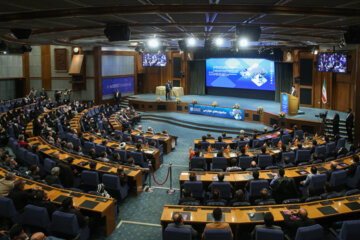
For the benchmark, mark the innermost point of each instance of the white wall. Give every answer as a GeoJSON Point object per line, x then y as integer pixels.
{"type": "Point", "coordinates": [11, 66]}
{"type": "Point", "coordinates": [114, 65]}
{"type": "Point", "coordinates": [35, 67]}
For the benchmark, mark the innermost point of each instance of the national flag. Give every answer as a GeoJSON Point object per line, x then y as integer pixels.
{"type": "Point", "coordinates": [323, 93]}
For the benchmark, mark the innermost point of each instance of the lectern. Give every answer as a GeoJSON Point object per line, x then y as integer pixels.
{"type": "Point", "coordinates": [289, 104]}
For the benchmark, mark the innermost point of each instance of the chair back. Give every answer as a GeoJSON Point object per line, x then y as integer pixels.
{"type": "Point", "coordinates": [313, 232]}
{"type": "Point", "coordinates": [265, 161]}
{"type": "Point", "coordinates": [338, 178]}
{"type": "Point", "coordinates": [198, 162]}
{"type": "Point", "coordinates": [350, 230]}
{"type": "Point", "coordinates": [219, 163]}
{"type": "Point", "coordinates": [285, 139]}
{"type": "Point", "coordinates": [196, 188]}
{"type": "Point", "coordinates": [216, 234]}
{"type": "Point", "coordinates": [32, 212]}
{"type": "Point", "coordinates": [302, 156]}
{"type": "Point", "coordinates": [269, 234]}
{"type": "Point", "coordinates": [245, 162]}
{"type": "Point", "coordinates": [64, 223]}
{"type": "Point", "coordinates": [318, 181]}
{"type": "Point", "coordinates": [256, 186]}
{"type": "Point", "coordinates": [174, 233]}
{"type": "Point", "coordinates": [111, 181]}
{"type": "Point", "coordinates": [223, 187]}
{"type": "Point", "coordinates": [90, 178]}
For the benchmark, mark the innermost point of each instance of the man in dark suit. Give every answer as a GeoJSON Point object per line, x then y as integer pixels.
{"type": "Point", "coordinates": [352, 169]}
{"type": "Point", "coordinates": [336, 122]}
{"type": "Point", "coordinates": [117, 96]}
{"type": "Point", "coordinates": [43, 94]}
{"type": "Point", "coordinates": [294, 220]}
{"type": "Point", "coordinates": [349, 124]}
{"type": "Point", "coordinates": [67, 207]}
{"type": "Point", "coordinates": [187, 196]}
{"type": "Point", "coordinates": [168, 88]}
{"type": "Point", "coordinates": [179, 223]}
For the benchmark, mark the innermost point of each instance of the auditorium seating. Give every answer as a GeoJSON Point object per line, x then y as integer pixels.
{"type": "Point", "coordinates": [172, 233]}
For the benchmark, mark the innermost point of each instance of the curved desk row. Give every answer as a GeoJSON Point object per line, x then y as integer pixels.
{"type": "Point", "coordinates": [84, 162]}
{"type": "Point", "coordinates": [104, 206]}
{"type": "Point", "coordinates": [245, 216]}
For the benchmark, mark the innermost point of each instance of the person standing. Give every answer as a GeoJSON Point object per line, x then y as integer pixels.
{"type": "Point", "coordinates": [349, 124]}
{"type": "Point", "coordinates": [117, 96]}
{"type": "Point", "coordinates": [32, 93]}
{"type": "Point", "coordinates": [293, 91]}
{"type": "Point", "coordinates": [43, 94]}
{"type": "Point", "coordinates": [168, 88]}
{"type": "Point", "coordinates": [336, 122]}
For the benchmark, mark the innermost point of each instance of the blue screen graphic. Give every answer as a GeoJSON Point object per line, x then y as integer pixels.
{"type": "Point", "coordinates": [284, 103]}
{"type": "Point", "coordinates": [246, 73]}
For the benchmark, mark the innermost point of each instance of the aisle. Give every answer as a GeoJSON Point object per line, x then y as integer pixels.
{"type": "Point", "coordinates": [139, 216]}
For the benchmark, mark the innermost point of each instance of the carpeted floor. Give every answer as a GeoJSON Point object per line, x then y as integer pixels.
{"type": "Point", "coordinates": [139, 216]}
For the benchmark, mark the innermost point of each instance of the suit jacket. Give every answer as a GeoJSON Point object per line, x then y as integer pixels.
{"type": "Point", "coordinates": [193, 231]}
{"type": "Point", "coordinates": [168, 87]}
{"type": "Point", "coordinates": [350, 120]}
{"type": "Point", "coordinates": [66, 175]}
{"type": "Point", "coordinates": [291, 226]}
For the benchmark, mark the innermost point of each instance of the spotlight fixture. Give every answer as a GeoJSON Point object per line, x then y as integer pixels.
{"type": "Point", "coordinates": [316, 52]}
{"type": "Point", "coordinates": [153, 43]}
{"type": "Point", "coordinates": [76, 50]}
{"type": "Point", "coordinates": [219, 41]}
{"type": "Point", "coordinates": [191, 42]}
{"type": "Point", "coordinates": [243, 42]}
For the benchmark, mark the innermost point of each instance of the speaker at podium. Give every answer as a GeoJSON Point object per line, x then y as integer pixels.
{"type": "Point", "coordinates": [289, 104]}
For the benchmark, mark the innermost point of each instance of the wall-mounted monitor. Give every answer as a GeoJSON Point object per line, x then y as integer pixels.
{"type": "Point", "coordinates": [332, 62]}
{"type": "Point", "coordinates": [154, 59]}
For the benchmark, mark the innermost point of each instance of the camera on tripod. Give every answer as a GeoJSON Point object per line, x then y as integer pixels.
{"type": "Point", "coordinates": [322, 115]}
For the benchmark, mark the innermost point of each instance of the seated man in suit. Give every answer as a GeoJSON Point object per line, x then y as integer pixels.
{"type": "Point", "coordinates": [67, 207]}
{"type": "Point", "coordinates": [283, 187]}
{"type": "Point", "coordinates": [217, 224]}
{"type": "Point", "coordinates": [268, 223]}
{"type": "Point", "coordinates": [253, 167]}
{"type": "Point", "coordinates": [187, 196]}
{"type": "Point", "coordinates": [264, 197]}
{"type": "Point", "coordinates": [216, 197]}
{"type": "Point", "coordinates": [352, 169]}
{"type": "Point", "coordinates": [333, 168]}
{"type": "Point", "coordinates": [179, 223]}
{"type": "Point", "coordinates": [255, 177]}
{"type": "Point", "coordinates": [294, 220]}
{"type": "Point", "coordinates": [233, 166]}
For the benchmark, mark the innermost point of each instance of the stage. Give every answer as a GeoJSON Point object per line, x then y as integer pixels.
{"type": "Point", "coordinates": [249, 104]}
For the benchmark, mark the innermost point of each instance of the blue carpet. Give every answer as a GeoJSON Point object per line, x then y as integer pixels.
{"type": "Point", "coordinates": [251, 104]}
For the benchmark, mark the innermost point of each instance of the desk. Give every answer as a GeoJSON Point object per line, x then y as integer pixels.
{"type": "Point", "coordinates": [150, 152]}
{"type": "Point", "coordinates": [83, 162]}
{"type": "Point", "coordinates": [175, 92]}
{"type": "Point", "coordinates": [166, 140]}
{"type": "Point", "coordinates": [105, 206]}
{"type": "Point", "coordinates": [243, 176]}
{"type": "Point", "coordinates": [238, 216]}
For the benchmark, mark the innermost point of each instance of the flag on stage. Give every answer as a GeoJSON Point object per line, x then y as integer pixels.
{"type": "Point", "coordinates": [323, 93]}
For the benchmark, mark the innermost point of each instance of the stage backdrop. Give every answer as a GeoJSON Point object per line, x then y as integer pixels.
{"type": "Point", "coordinates": [109, 86]}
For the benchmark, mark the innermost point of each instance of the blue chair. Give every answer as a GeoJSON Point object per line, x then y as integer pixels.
{"type": "Point", "coordinates": [90, 178]}
{"type": "Point", "coordinates": [216, 234]}
{"type": "Point", "coordinates": [340, 143]}
{"type": "Point", "coordinates": [203, 145]}
{"type": "Point", "coordinates": [299, 133]}
{"type": "Point", "coordinates": [137, 137]}
{"type": "Point", "coordinates": [196, 188]}
{"type": "Point", "coordinates": [220, 145]}
{"type": "Point", "coordinates": [353, 181]}
{"type": "Point", "coordinates": [265, 161]}
{"type": "Point", "coordinates": [139, 159]}
{"type": "Point", "coordinates": [257, 143]}
{"type": "Point", "coordinates": [66, 225]}
{"type": "Point", "coordinates": [41, 215]}
{"type": "Point", "coordinates": [338, 179]}
{"type": "Point", "coordinates": [7, 210]}
{"type": "Point", "coordinates": [302, 156]}
{"type": "Point", "coordinates": [122, 154]}
{"type": "Point", "coordinates": [32, 159]}
{"type": "Point", "coordinates": [21, 154]}
{"type": "Point", "coordinates": [76, 142]}
{"type": "Point", "coordinates": [330, 147]}
{"type": "Point", "coordinates": [219, 163]}
{"type": "Point", "coordinates": [224, 188]}
{"type": "Point", "coordinates": [275, 141]}
{"type": "Point", "coordinates": [100, 148]}
{"type": "Point", "coordinates": [242, 144]}
{"type": "Point", "coordinates": [318, 181]}
{"type": "Point", "coordinates": [285, 139]}
{"type": "Point", "coordinates": [290, 155]}
{"type": "Point", "coordinates": [113, 186]}
{"type": "Point", "coordinates": [268, 234]}
{"type": "Point", "coordinates": [198, 163]}
{"type": "Point", "coordinates": [350, 230]}
{"type": "Point", "coordinates": [314, 232]}
{"type": "Point", "coordinates": [174, 233]}
{"type": "Point", "coordinates": [245, 162]}
{"type": "Point", "coordinates": [255, 188]}
{"type": "Point", "coordinates": [48, 165]}
{"type": "Point", "coordinates": [88, 146]}
{"type": "Point", "coordinates": [352, 192]}
{"type": "Point", "coordinates": [320, 150]}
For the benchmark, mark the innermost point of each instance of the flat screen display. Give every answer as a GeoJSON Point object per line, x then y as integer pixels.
{"type": "Point", "coordinates": [332, 62]}
{"type": "Point", "coordinates": [154, 59]}
{"type": "Point", "coordinates": [245, 73]}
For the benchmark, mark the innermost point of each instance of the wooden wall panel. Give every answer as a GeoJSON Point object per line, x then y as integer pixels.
{"type": "Point", "coordinates": [342, 96]}
{"type": "Point", "coordinates": [46, 67]}
{"type": "Point", "coordinates": [97, 75]}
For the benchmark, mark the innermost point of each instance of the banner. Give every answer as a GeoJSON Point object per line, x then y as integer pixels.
{"type": "Point", "coordinates": [284, 103]}
{"type": "Point", "coordinates": [217, 111]}
{"type": "Point", "coordinates": [124, 84]}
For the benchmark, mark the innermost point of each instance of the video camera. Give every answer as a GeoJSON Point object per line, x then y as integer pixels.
{"type": "Point", "coordinates": [322, 115]}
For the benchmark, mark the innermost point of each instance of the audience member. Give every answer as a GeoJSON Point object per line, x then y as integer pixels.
{"type": "Point", "coordinates": [268, 224]}
{"type": "Point", "coordinates": [7, 184]}
{"type": "Point", "coordinates": [217, 224]}
{"type": "Point", "coordinates": [295, 219]}
{"type": "Point", "coordinates": [179, 223]}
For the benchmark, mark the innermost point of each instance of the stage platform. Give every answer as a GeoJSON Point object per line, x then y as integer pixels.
{"type": "Point", "coordinates": [245, 103]}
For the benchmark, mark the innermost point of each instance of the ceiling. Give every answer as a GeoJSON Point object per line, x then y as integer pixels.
{"type": "Point", "coordinates": [291, 23]}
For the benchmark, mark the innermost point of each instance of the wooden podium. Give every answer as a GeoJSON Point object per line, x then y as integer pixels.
{"type": "Point", "coordinates": [289, 104]}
